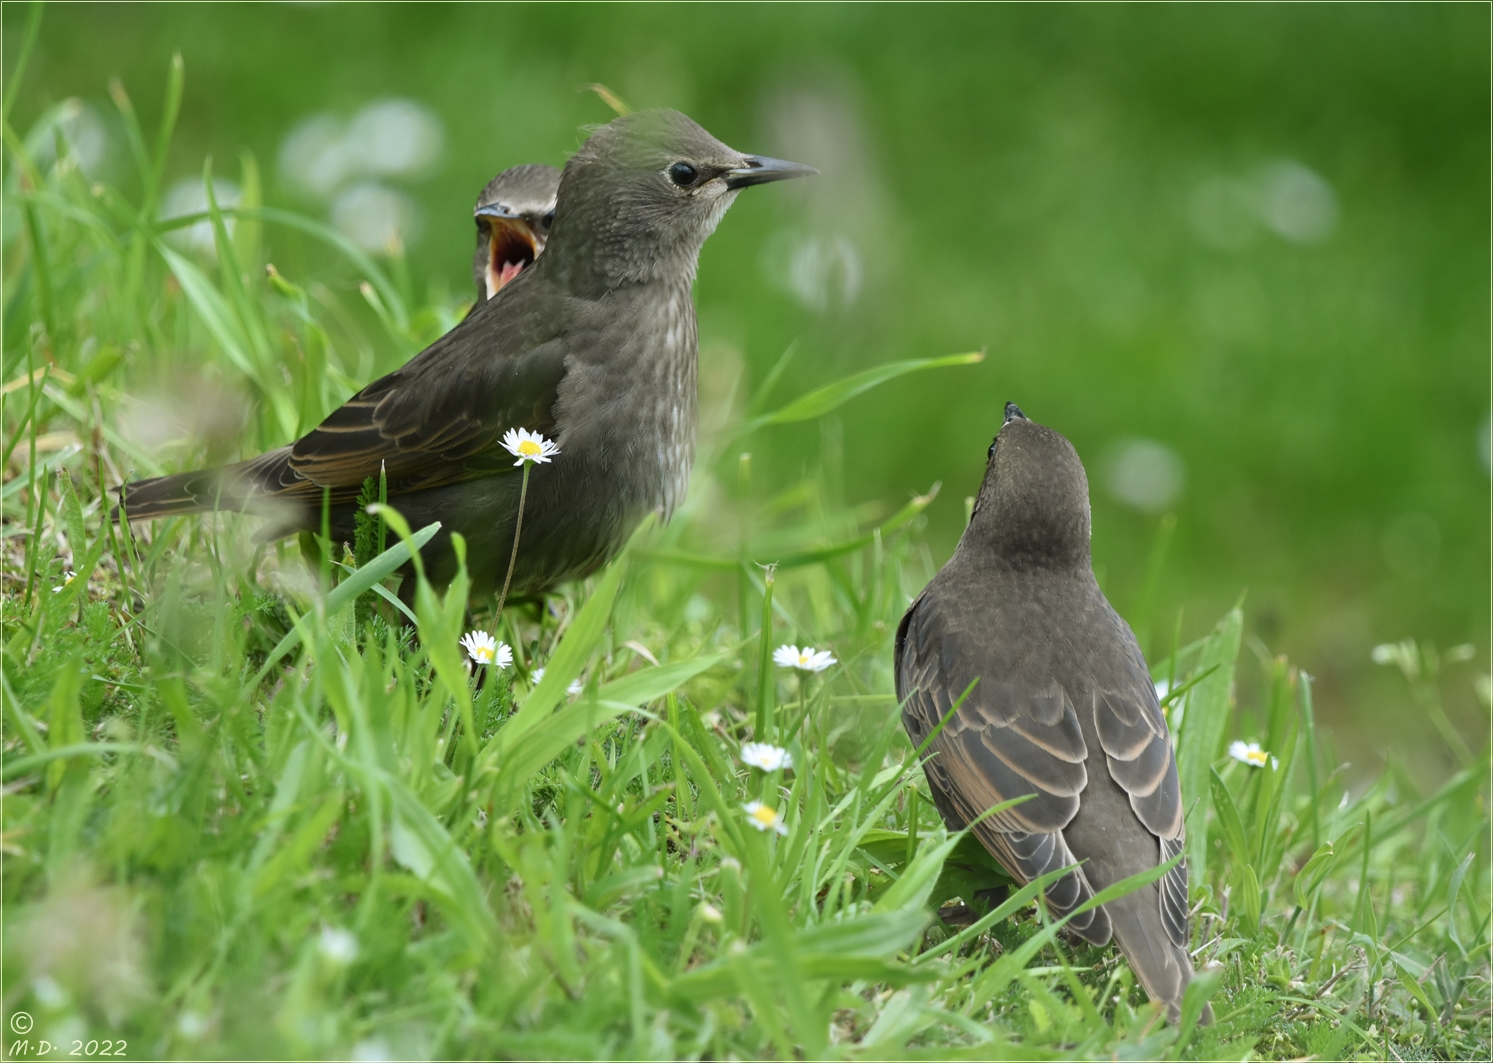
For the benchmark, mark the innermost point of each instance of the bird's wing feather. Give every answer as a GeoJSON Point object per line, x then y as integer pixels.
{"type": "Point", "coordinates": [1138, 750]}
{"type": "Point", "coordinates": [1139, 753]}
{"type": "Point", "coordinates": [1008, 739]}
{"type": "Point", "coordinates": [437, 420]}
{"type": "Point", "coordinates": [1174, 893]}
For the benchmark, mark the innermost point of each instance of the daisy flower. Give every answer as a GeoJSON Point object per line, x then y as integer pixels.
{"type": "Point", "coordinates": [575, 687]}
{"type": "Point", "coordinates": [67, 577]}
{"type": "Point", "coordinates": [528, 446]}
{"type": "Point", "coordinates": [807, 659]}
{"type": "Point", "coordinates": [338, 946]}
{"type": "Point", "coordinates": [1250, 753]}
{"type": "Point", "coordinates": [765, 756]}
{"type": "Point", "coordinates": [484, 649]}
{"type": "Point", "coordinates": [764, 818]}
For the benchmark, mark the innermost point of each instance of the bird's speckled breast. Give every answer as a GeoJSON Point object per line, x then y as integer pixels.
{"type": "Point", "coordinates": [677, 369]}
{"type": "Point", "coordinates": [629, 404]}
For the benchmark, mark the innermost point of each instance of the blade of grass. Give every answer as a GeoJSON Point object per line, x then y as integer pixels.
{"type": "Point", "coordinates": [821, 401]}
{"type": "Point", "coordinates": [346, 592]}
{"type": "Point", "coordinates": [18, 68]}
{"type": "Point", "coordinates": [1203, 729]}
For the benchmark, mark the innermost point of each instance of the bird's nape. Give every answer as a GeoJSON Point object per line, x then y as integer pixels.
{"type": "Point", "coordinates": [1033, 504]}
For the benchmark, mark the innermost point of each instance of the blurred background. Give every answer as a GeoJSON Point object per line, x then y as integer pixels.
{"type": "Point", "coordinates": [1238, 255]}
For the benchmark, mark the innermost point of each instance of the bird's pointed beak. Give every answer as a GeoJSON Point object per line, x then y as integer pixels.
{"type": "Point", "coordinates": [495, 210]}
{"type": "Point", "coordinates": [759, 170]}
{"type": "Point", "coordinates": [1013, 413]}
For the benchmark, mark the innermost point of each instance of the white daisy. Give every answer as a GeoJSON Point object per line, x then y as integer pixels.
{"type": "Point", "coordinates": [765, 756]}
{"type": "Point", "coordinates": [575, 687]}
{"type": "Point", "coordinates": [807, 659]}
{"type": "Point", "coordinates": [67, 577]}
{"type": "Point", "coordinates": [528, 446]}
{"type": "Point", "coordinates": [764, 818]}
{"type": "Point", "coordinates": [338, 946]}
{"type": "Point", "coordinates": [484, 649]}
{"type": "Point", "coordinates": [1250, 753]}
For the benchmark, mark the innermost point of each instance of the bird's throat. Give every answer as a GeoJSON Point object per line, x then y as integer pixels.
{"type": "Point", "coordinates": [511, 249]}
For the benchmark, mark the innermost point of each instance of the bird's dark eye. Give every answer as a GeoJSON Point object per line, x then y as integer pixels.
{"type": "Point", "coordinates": [683, 174]}
{"type": "Point", "coordinates": [548, 219]}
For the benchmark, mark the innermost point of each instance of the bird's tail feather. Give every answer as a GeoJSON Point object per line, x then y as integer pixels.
{"type": "Point", "coordinates": [1164, 969]}
{"type": "Point", "coordinates": [169, 496]}
{"type": "Point", "coordinates": [240, 488]}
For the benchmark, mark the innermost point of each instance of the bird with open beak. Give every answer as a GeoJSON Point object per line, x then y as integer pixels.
{"type": "Point", "coordinates": [594, 346]}
{"type": "Point", "coordinates": [1060, 710]}
{"type": "Point", "coordinates": [514, 214]}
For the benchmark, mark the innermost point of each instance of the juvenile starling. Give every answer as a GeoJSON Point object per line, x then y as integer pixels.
{"type": "Point", "coordinates": [594, 346]}
{"type": "Point", "coordinates": [1064, 708]}
{"type": "Point", "coordinates": [514, 214]}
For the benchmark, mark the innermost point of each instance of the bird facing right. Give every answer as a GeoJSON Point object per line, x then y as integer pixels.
{"type": "Point", "coordinates": [593, 346]}
{"type": "Point", "coordinates": [1063, 708]}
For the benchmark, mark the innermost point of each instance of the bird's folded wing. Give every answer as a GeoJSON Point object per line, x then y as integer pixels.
{"type": "Point", "coordinates": [1008, 739]}
{"type": "Point", "coordinates": [438, 420]}
{"type": "Point", "coordinates": [1138, 751]}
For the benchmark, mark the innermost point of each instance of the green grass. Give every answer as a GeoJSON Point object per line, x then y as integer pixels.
{"type": "Point", "coordinates": [240, 822]}
{"type": "Point", "coordinates": [1029, 180]}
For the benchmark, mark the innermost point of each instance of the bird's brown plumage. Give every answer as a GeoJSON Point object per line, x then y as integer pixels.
{"type": "Point", "coordinates": [594, 346]}
{"type": "Point", "coordinates": [1063, 709]}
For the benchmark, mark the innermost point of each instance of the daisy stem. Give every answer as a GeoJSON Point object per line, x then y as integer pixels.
{"type": "Point", "coordinates": [820, 726]}
{"type": "Point", "coordinates": [518, 527]}
{"type": "Point", "coordinates": [764, 669]}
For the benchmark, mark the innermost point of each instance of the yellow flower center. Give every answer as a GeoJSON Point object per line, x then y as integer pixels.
{"type": "Point", "coordinates": [765, 816]}
{"type": "Point", "coordinates": [485, 654]}
{"type": "Point", "coordinates": [1256, 756]}
{"type": "Point", "coordinates": [530, 449]}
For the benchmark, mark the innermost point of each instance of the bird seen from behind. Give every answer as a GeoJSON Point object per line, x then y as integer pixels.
{"type": "Point", "coordinates": [594, 346]}
{"type": "Point", "coordinates": [1062, 708]}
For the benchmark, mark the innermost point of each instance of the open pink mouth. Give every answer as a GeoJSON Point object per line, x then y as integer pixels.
{"type": "Point", "coordinates": [513, 249]}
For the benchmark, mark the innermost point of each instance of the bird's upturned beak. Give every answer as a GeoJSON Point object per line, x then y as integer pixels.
{"type": "Point", "coordinates": [759, 170]}
{"type": "Point", "coordinates": [1013, 413]}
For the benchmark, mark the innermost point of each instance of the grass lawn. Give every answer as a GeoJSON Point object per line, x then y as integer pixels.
{"type": "Point", "coordinates": [248, 815]}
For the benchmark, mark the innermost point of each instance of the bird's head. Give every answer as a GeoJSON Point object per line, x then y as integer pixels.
{"type": "Point", "coordinates": [514, 214]}
{"type": "Point", "coordinates": [1033, 506]}
{"type": "Point", "coordinates": [642, 194]}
